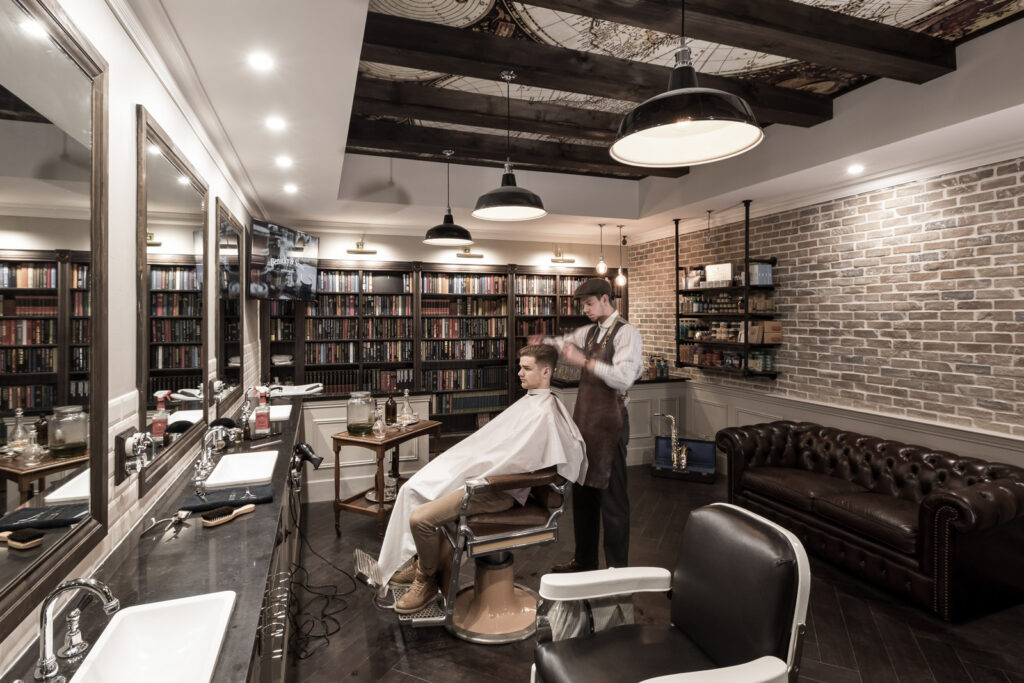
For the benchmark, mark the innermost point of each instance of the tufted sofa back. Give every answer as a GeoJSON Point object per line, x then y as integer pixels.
{"type": "Point", "coordinates": [882, 466]}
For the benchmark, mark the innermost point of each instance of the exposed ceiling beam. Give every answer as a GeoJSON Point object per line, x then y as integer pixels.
{"type": "Point", "coordinates": [398, 139]}
{"type": "Point", "coordinates": [784, 28]}
{"type": "Point", "coordinates": [434, 47]}
{"type": "Point", "coordinates": [415, 101]}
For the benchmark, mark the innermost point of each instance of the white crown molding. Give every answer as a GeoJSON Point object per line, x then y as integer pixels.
{"type": "Point", "coordinates": [188, 95]}
{"type": "Point", "coordinates": [45, 211]}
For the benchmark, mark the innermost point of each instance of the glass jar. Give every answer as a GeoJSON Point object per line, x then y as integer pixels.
{"type": "Point", "coordinates": [69, 432]}
{"type": "Point", "coordinates": [360, 413]}
{"type": "Point", "coordinates": [32, 454]}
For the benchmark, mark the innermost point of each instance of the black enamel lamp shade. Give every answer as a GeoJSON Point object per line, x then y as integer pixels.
{"type": "Point", "coordinates": [509, 202]}
{"type": "Point", "coordinates": [448, 234]}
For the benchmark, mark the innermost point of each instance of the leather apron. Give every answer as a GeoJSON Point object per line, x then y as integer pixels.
{"type": "Point", "coordinates": [598, 411]}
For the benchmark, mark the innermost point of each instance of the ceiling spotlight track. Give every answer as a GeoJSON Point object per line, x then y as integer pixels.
{"type": "Point", "coordinates": [447, 233]}
{"type": "Point", "coordinates": [509, 202]}
{"type": "Point", "coordinates": [686, 125]}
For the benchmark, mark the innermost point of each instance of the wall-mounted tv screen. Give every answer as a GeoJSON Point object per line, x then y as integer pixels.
{"type": "Point", "coordinates": [282, 263]}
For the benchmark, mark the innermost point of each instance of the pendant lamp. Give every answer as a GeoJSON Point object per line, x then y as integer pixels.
{"type": "Point", "coordinates": [687, 125]}
{"type": "Point", "coordinates": [509, 202]}
{"type": "Point", "coordinates": [447, 234]}
{"type": "Point", "coordinates": [601, 267]}
{"type": "Point", "coordinates": [620, 279]}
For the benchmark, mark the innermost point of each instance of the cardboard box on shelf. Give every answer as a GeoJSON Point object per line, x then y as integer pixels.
{"type": "Point", "coordinates": [756, 333]}
{"type": "Point", "coordinates": [772, 331]}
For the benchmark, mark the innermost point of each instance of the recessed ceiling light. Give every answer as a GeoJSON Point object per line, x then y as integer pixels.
{"type": "Point", "coordinates": [155, 149]}
{"type": "Point", "coordinates": [283, 161]}
{"type": "Point", "coordinates": [183, 180]}
{"type": "Point", "coordinates": [260, 61]}
{"type": "Point", "coordinates": [855, 169]}
{"type": "Point", "coordinates": [291, 188]}
{"type": "Point", "coordinates": [276, 123]}
{"type": "Point", "coordinates": [34, 28]}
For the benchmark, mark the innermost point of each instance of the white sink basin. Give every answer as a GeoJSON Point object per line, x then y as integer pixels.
{"type": "Point", "coordinates": [161, 642]}
{"type": "Point", "coordinates": [74, 490]}
{"type": "Point", "coordinates": [192, 416]}
{"type": "Point", "coordinates": [280, 413]}
{"type": "Point", "coordinates": [243, 469]}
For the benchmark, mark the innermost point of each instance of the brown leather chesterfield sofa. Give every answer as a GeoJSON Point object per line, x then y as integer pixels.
{"type": "Point", "coordinates": [944, 531]}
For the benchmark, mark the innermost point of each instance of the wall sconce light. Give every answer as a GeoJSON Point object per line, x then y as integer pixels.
{"type": "Point", "coordinates": [360, 249]}
{"type": "Point", "coordinates": [558, 258]}
{"type": "Point", "coordinates": [151, 240]}
{"type": "Point", "coordinates": [466, 253]}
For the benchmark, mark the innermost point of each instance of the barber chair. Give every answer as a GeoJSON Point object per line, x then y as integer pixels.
{"type": "Point", "coordinates": [494, 609]}
{"type": "Point", "coordinates": [739, 602]}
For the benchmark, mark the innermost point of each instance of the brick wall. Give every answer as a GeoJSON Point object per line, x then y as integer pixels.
{"type": "Point", "coordinates": [908, 300]}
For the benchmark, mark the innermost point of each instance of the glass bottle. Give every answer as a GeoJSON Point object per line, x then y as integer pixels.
{"type": "Point", "coordinates": [32, 453]}
{"type": "Point", "coordinates": [390, 483]}
{"type": "Point", "coordinates": [19, 437]}
{"type": "Point", "coordinates": [42, 428]}
{"type": "Point", "coordinates": [380, 429]}
{"type": "Point", "coordinates": [405, 415]}
{"type": "Point", "coordinates": [391, 410]}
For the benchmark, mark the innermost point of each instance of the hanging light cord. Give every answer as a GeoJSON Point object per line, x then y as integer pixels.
{"type": "Point", "coordinates": [601, 226]}
{"type": "Point", "coordinates": [682, 23]}
{"type": "Point", "coordinates": [507, 76]}
{"type": "Point", "coordinates": [709, 226]}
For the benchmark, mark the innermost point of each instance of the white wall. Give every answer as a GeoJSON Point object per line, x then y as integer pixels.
{"type": "Point", "coordinates": [131, 80]}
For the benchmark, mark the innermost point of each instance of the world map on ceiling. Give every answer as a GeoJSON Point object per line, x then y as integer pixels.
{"type": "Point", "coordinates": [953, 20]}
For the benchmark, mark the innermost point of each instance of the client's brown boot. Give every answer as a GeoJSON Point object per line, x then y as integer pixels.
{"type": "Point", "coordinates": [422, 591]}
{"type": "Point", "coordinates": [404, 577]}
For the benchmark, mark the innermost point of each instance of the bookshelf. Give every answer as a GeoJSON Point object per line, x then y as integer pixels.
{"type": "Point", "coordinates": [175, 324]}
{"type": "Point", "coordinates": [45, 330]}
{"type": "Point", "coordinates": [387, 330]}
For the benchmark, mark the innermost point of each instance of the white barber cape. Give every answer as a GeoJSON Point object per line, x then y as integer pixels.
{"type": "Point", "coordinates": [532, 434]}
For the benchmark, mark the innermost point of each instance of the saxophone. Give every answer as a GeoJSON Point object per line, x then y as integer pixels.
{"type": "Point", "coordinates": [678, 450]}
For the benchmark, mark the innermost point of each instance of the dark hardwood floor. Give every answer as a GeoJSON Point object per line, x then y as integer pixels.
{"type": "Point", "coordinates": [856, 633]}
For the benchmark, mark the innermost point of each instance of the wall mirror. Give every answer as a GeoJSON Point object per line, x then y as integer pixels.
{"type": "Point", "coordinates": [172, 296]}
{"type": "Point", "coordinates": [230, 313]}
{"type": "Point", "coordinates": [53, 334]}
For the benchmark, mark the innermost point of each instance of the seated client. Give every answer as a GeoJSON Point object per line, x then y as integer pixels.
{"type": "Point", "coordinates": [534, 433]}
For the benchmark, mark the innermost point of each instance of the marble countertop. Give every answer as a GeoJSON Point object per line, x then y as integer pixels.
{"type": "Point", "coordinates": [163, 566]}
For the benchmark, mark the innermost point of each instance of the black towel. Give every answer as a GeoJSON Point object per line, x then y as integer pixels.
{"type": "Point", "coordinates": [231, 497]}
{"type": "Point", "coordinates": [45, 518]}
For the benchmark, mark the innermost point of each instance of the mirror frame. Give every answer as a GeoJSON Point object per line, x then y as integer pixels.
{"type": "Point", "coordinates": [19, 599]}
{"type": "Point", "coordinates": [223, 214]}
{"type": "Point", "coordinates": [146, 129]}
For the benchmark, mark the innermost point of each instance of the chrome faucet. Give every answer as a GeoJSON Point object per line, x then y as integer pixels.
{"type": "Point", "coordinates": [46, 669]}
{"type": "Point", "coordinates": [205, 463]}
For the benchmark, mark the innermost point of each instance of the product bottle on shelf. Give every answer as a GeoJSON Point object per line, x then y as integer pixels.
{"type": "Point", "coordinates": [261, 415]}
{"type": "Point", "coordinates": [161, 415]}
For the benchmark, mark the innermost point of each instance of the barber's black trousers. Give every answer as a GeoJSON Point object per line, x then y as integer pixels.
{"type": "Point", "coordinates": [593, 507]}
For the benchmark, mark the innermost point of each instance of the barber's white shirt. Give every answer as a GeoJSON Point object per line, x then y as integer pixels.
{"type": "Point", "coordinates": [627, 361]}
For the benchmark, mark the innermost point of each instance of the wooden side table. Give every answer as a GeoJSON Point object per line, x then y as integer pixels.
{"type": "Point", "coordinates": [24, 475]}
{"type": "Point", "coordinates": [392, 439]}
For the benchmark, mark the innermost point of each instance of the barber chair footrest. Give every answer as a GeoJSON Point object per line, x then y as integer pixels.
{"type": "Point", "coordinates": [432, 613]}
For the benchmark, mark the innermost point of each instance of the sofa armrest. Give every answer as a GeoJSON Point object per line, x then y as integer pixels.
{"type": "Point", "coordinates": [602, 583]}
{"type": "Point", "coordinates": [981, 506]}
{"type": "Point", "coordinates": [766, 669]}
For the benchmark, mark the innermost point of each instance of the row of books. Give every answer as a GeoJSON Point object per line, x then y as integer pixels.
{"type": "Point", "coordinates": [165, 331]}
{"type": "Point", "coordinates": [282, 329]}
{"type": "Point", "coordinates": [31, 275]}
{"type": "Point", "coordinates": [336, 381]}
{"type": "Point", "coordinates": [80, 275]}
{"type": "Point", "coordinates": [232, 332]}
{"type": "Point", "coordinates": [387, 352]}
{"type": "Point", "coordinates": [571, 282]}
{"type": "Point", "coordinates": [465, 378]}
{"type": "Point", "coordinates": [387, 327]}
{"type": "Point", "coordinates": [282, 309]}
{"type": "Point", "coordinates": [327, 328]}
{"type": "Point", "coordinates": [22, 332]}
{"type": "Point", "coordinates": [493, 349]}
{"type": "Point", "coordinates": [448, 328]}
{"type": "Point", "coordinates": [15, 305]}
{"type": "Point", "coordinates": [172, 382]}
{"type": "Point", "coordinates": [469, 402]}
{"type": "Point", "coordinates": [383, 304]}
{"type": "Point", "coordinates": [535, 284]}
{"type": "Point", "coordinates": [28, 360]}
{"type": "Point", "coordinates": [81, 303]}
{"type": "Point", "coordinates": [175, 357]}
{"type": "Point", "coordinates": [175, 277]}
{"type": "Point", "coordinates": [459, 283]}
{"type": "Point", "coordinates": [387, 380]}
{"type": "Point", "coordinates": [81, 331]}
{"type": "Point", "coordinates": [79, 359]}
{"type": "Point", "coordinates": [28, 396]}
{"type": "Point", "coordinates": [78, 391]}
{"type": "Point", "coordinates": [535, 305]}
{"type": "Point", "coordinates": [328, 353]}
{"type": "Point", "coordinates": [165, 303]}
{"type": "Point", "coordinates": [468, 306]}
{"type": "Point", "coordinates": [338, 281]}
{"type": "Point", "coordinates": [524, 328]}
{"type": "Point", "coordinates": [334, 305]}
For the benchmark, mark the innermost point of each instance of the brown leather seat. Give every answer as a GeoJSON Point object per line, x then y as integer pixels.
{"type": "Point", "coordinates": [884, 518]}
{"type": "Point", "coordinates": [797, 487]}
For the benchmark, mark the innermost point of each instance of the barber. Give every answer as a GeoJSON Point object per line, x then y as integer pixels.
{"type": "Point", "coordinates": [610, 353]}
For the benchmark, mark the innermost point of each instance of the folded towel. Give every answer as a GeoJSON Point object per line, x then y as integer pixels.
{"type": "Point", "coordinates": [231, 497]}
{"type": "Point", "coordinates": [300, 390]}
{"type": "Point", "coordinates": [45, 517]}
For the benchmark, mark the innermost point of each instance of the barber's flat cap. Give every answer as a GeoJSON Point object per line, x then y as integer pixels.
{"type": "Point", "coordinates": [595, 286]}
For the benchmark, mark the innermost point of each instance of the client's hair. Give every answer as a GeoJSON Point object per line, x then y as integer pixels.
{"type": "Point", "coordinates": [545, 354]}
